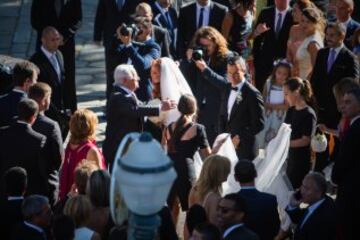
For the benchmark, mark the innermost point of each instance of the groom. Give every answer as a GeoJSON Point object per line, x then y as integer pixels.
{"type": "Point", "coordinates": [242, 107]}
{"type": "Point", "coordinates": [125, 113]}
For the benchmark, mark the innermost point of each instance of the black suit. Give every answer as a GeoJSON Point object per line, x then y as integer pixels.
{"type": "Point", "coordinates": [8, 106]}
{"type": "Point", "coordinates": [242, 233]}
{"type": "Point", "coordinates": [346, 175]}
{"type": "Point", "coordinates": [187, 24]}
{"type": "Point", "coordinates": [320, 225]}
{"type": "Point", "coordinates": [22, 232]}
{"type": "Point", "coordinates": [11, 215]}
{"type": "Point", "coordinates": [53, 150]}
{"type": "Point", "coordinates": [43, 14]}
{"type": "Point", "coordinates": [22, 146]}
{"type": "Point", "coordinates": [262, 215]}
{"type": "Point", "coordinates": [108, 18]}
{"type": "Point", "coordinates": [267, 47]}
{"type": "Point", "coordinates": [162, 38]}
{"type": "Point", "coordinates": [124, 115]}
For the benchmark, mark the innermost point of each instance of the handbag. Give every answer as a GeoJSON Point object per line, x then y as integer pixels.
{"type": "Point", "coordinates": [318, 141]}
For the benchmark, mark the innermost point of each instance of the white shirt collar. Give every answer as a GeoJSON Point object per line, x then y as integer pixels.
{"type": "Point", "coordinates": [240, 85]}
{"type": "Point", "coordinates": [337, 50]}
{"type": "Point", "coordinates": [46, 52]}
{"type": "Point", "coordinates": [277, 11]}
{"type": "Point", "coordinates": [354, 119]}
{"type": "Point", "coordinates": [13, 198]}
{"type": "Point", "coordinates": [128, 91]}
{"type": "Point", "coordinates": [18, 90]}
{"type": "Point", "coordinates": [37, 228]}
{"type": "Point", "coordinates": [198, 6]}
{"type": "Point", "coordinates": [230, 229]}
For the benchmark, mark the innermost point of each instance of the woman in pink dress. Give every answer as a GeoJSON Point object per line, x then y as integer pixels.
{"type": "Point", "coordinates": [81, 147]}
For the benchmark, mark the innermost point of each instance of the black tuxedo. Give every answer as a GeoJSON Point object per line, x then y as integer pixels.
{"type": "Point", "coordinates": [53, 150]}
{"type": "Point", "coordinates": [22, 146]}
{"type": "Point", "coordinates": [8, 106]}
{"type": "Point", "coordinates": [267, 47]}
{"type": "Point", "coordinates": [108, 18]}
{"type": "Point", "coordinates": [124, 114]}
{"type": "Point", "coordinates": [23, 231]}
{"type": "Point", "coordinates": [187, 24]}
{"type": "Point", "coordinates": [320, 225]}
{"type": "Point", "coordinates": [11, 215]}
{"type": "Point", "coordinates": [262, 215]}
{"type": "Point", "coordinates": [242, 233]}
{"type": "Point", "coordinates": [43, 14]}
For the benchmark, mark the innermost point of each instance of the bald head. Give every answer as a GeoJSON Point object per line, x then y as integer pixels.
{"type": "Point", "coordinates": [344, 9]}
{"type": "Point", "coordinates": [50, 39]}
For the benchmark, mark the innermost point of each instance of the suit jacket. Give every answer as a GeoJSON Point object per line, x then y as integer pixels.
{"type": "Point", "coordinates": [345, 65]}
{"type": "Point", "coordinates": [43, 14]}
{"type": "Point", "coordinates": [22, 146]}
{"type": "Point", "coordinates": [320, 225]}
{"type": "Point", "coordinates": [242, 233]}
{"type": "Point", "coordinates": [8, 106]}
{"type": "Point", "coordinates": [22, 232]}
{"type": "Point", "coordinates": [162, 38]}
{"type": "Point", "coordinates": [262, 210]}
{"type": "Point", "coordinates": [124, 114]}
{"type": "Point", "coordinates": [187, 24]}
{"type": "Point", "coordinates": [11, 215]}
{"type": "Point", "coordinates": [109, 17]}
{"type": "Point", "coordinates": [141, 56]}
{"type": "Point", "coordinates": [350, 30]}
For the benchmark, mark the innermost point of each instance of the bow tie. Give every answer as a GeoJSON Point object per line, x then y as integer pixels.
{"type": "Point", "coordinates": [235, 89]}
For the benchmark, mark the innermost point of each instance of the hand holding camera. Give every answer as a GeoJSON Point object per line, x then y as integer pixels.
{"type": "Point", "coordinates": [126, 33]}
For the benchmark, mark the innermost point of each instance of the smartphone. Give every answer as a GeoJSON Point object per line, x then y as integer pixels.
{"type": "Point", "coordinates": [297, 195]}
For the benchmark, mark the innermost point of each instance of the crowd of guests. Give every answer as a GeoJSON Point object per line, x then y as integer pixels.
{"type": "Point", "coordinates": [187, 75]}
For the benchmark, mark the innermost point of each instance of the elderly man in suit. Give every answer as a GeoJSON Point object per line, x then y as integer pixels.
{"type": "Point", "coordinates": [125, 113]}
{"type": "Point", "coordinates": [332, 64]}
{"type": "Point", "coordinates": [262, 207]}
{"type": "Point", "coordinates": [25, 75]}
{"type": "Point", "coordinates": [317, 221]}
{"type": "Point", "coordinates": [271, 35]}
{"type": "Point", "coordinates": [344, 9]}
{"type": "Point", "coordinates": [194, 16]}
{"type": "Point", "coordinates": [242, 107]}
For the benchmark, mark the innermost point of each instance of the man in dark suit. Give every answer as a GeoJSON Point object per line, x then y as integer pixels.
{"type": "Point", "coordinates": [141, 54]}
{"type": "Point", "coordinates": [271, 35]}
{"type": "Point", "coordinates": [242, 107]}
{"type": "Point", "coordinates": [317, 221]}
{"type": "Point", "coordinates": [22, 146]}
{"type": "Point", "coordinates": [53, 150]}
{"type": "Point", "coordinates": [332, 64]}
{"type": "Point", "coordinates": [66, 17]}
{"type": "Point", "coordinates": [194, 16]}
{"type": "Point", "coordinates": [346, 169]}
{"type": "Point", "coordinates": [37, 217]}
{"type": "Point", "coordinates": [262, 208]}
{"type": "Point", "coordinates": [15, 180]}
{"type": "Point", "coordinates": [124, 111]}
{"type": "Point", "coordinates": [166, 17]}
{"type": "Point", "coordinates": [344, 9]}
{"type": "Point", "coordinates": [24, 75]}
{"type": "Point", "coordinates": [51, 64]}
{"type": "Point", "coordinates": [230, 215]}
{"type": "Point", "coordinates": [110, 14]}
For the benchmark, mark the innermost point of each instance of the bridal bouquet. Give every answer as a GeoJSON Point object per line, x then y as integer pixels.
{"type": "Point", "coordinates": [319, 142]}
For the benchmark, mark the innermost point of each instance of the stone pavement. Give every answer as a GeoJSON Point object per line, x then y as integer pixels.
{"type": "Point", "coordinates": [17, 39]}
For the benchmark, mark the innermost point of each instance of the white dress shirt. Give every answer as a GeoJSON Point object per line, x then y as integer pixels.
{"type": "Point", "coordinates": [232, 97]}
{"type": "Point", "coordinates": [230, 229]}
{"type": "Point", "coordinates": [50, 56]}
{"type": "Point", "coordinates": [206, 14]}
{"type": "Point", "coordinates": [30, 225]}
{"type": "Point", "coordinates": [283, 15]}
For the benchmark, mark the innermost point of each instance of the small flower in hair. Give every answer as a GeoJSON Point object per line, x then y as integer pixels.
{"type": "Point", "coordinates": [282, 62]}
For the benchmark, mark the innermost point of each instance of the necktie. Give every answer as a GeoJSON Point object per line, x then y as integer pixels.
{"type": "Point", "coordinates": [55, 64]}
{"type": "Point", "coordinates": [278, 24]}
{"type": "Point", "coordinates": [58, 5]}
{"type": "Point", "coordinates": [331, 59]}
{"type": "Point", "coordinates": [120, 4]}
{"type": "Point", "coordinates": [201, 18]}
{"type": "Point", "coordinates": [234, 88]}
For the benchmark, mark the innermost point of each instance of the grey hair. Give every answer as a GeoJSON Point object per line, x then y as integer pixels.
{"type": "Point", "coordinates": [319, 181]}
{"type": "Point", "coordinates": [124, 71]}
{"type": "Point", "coordinates": [33, 205]}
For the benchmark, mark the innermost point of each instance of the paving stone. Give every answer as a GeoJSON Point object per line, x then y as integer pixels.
{"type": "Point", "coordinates": [99, 64]}
{"type": "Point", "coordinates": [92, 57]}
{"type": "Point", "coordinates": [7, 24]}
{"type": "Point", "coordinates": [19, 47]}
{"type": "Point", "coordinates": [88, 70]}
{"type": "Point", "coordinates": [5, 41]}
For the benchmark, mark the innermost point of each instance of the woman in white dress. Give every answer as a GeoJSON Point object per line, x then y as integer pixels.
{"type": "Point", "coordinates": [313, 25]}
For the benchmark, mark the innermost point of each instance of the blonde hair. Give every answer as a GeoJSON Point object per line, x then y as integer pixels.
{"type": "Point", "coordinates": [143, 6]}
{"type": "Point", "coordinates": [79, 209]}
{"type": "Point", "coordinates": [82, 126]}
{"type": "Point", "coordinates": [315, 16]}
{"type": "Point", "coordinates": [215, 169]}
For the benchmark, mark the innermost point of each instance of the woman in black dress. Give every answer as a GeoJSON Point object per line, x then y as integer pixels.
{"type": "Point", "coordinates": [302, 118]}
{"type": "Point", "coordinates": [183, 139]}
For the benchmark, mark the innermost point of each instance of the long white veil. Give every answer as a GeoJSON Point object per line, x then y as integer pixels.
{"type": "Point", "coordinates": [172, 86]}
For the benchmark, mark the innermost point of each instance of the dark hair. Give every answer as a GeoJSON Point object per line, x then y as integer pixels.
{"type": "Point", "coordinates": [39, 90]}
{"type": "Point", "coordinates": [22, 71]}
{"type": "Point", "coordinates": [63, 228]}
{"type": "Point", "coordinates": [313, 14]}
{"type": "Point", "coordinates": [302, 4]}
{"type": "Point", "coordinates": [246, 4]}
{"type": "Point", "coordinates": [239, 202]}
{"type": "Point", "coordinates": [304, 87]}
{"type": "Point", "coordinates": [99, 188]}
{"type": "Point", "coordinates": [345, 85]}
{"type": "Point", "coordinates": [15, 181]}
{"type": "Point", "coordinates": [339, 28]}
{"type": "Point", "coordinates": [319, 181]}
{"type": "Point", "coordinates": [277, 64]}
{"type": "Point", "coordinates": [186, 106]}
{"type": "Point", "coordinates": [208, 231]}
{"type": "Point", "coordinates": [356, 93]}
{"type": "Point", "coordinates": [195, 216]}
{"type": "Point", "coordinates": [245, 171]}
{"type": "Point", "coordinates": [27, 108]}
